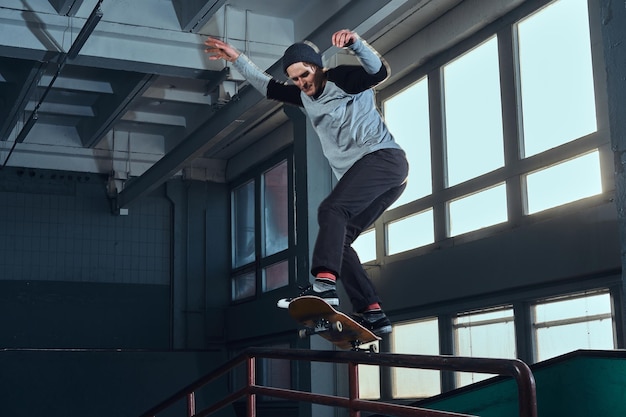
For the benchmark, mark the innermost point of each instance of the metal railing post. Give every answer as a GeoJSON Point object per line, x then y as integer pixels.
{"type": "Point", "coordinates": [251, 371]}
{"type": "Point", "coordinates": [191, 404]}
{"type": "Point", "coordinates": [353, 387]}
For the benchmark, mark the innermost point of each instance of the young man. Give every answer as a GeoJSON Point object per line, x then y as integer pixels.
{"type": "Point", "coordinates": [370, 166]}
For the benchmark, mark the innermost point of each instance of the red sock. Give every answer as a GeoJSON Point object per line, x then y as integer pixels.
{"type": "Point", "coordinates": [375, 306]}
{"type": "Point", "coordinates": [326, 275]}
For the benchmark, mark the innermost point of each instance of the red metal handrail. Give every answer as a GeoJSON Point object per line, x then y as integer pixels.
{"type": "Point", "coordinates": [527, 399]}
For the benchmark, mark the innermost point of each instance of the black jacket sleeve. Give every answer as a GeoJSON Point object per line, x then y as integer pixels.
{"type": "Point", "coordinates": [353, 78]}
{"type": "Point", "coordinates": [287, 93]}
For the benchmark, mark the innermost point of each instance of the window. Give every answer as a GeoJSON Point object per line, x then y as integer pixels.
{"type": "Point", "coordinates": [369, 380]}
{"type": "Point", "coordinates": [563, 183]}
{"type": "Point", "coordinates": [262, 213]}
{"type": "Point", "coordinates": [474, 334]}
{"type": "Point", "coordinates": [275, 276]}
{"type": "Point", "coordinates": [556, 77]}
{"type": "Point", "coordinates": [473, 114]}
{"type": "Point", "coordinates": [407, 116]}
{"type": "Point", "coordinates": [243, 224]}
{"type": "Point", "coordinates": [243, 286]}
{"type": "Point", "coordinates": [418, 338]}
{"type": "Point", "coordinates": [542, 65]}
{"type": "Point", "coordinates": [482, 209]}
{"type": "Point", "coordinates": [275, 209]}
{"type": "Point", "coordinates": [365, 246]}
{"type": "Point", "coordinates": [580, 321]}
{"type": "Point", "coordinates": [410, 232]}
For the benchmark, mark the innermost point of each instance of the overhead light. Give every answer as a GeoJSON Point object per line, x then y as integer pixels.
{"type": "Point", "coordinates": [85, 32]}
{"type": "Point", "coordinates": [27, 127]}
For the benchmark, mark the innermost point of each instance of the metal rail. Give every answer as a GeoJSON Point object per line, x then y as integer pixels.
{"type": "Point", "coordinates": [514, 368]}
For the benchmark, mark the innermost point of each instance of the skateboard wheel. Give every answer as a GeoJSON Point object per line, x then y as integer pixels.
{"type": "Point", "coordinates": [337, 326]}
{"type": "Point", "coordinates": [302, 334]}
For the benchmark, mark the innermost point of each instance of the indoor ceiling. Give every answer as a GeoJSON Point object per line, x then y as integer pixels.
{"type": "Point", "coordinates": [123, 87]}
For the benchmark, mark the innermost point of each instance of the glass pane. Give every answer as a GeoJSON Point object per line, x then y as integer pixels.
{"type": "Point", "coordinates": [417, 338]}
{"type": "Point", "coordinates": [365, 246]}
{"type": "Point", "coordinates": [474, 336]}
{"type": "Point", "coordinates": [573, 323]}
{"type": "Point", "coordinates": [407, 116]}
{"type": "Point", "coordinates": [276, 276]}
{"type": "Point", "coordinates": [243, 224]}
{"type": "Point", "coordinates": [369, 380]}
{"type": "Point", "coordinates": [473, 114]}
{"type": "Point", "coordinates": [276, 209]}
{"type": "Point", "coordinates": [276, 373]}
{"type": "Point", "coordinates": [563, 183]}
{"type": "Point", "coordinates": [244, 286]}
{"type": "Point", "coordinates": [410, 232]}
{"type": "Point", "coordinates": [479, 210]}
{"type": "Point", "coordinates": [558, 102]}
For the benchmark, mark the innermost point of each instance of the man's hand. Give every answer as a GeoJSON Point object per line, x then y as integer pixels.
{"type": "Point", "coordinates": [216, 49]}
{"type": "Point", "coordinates": [344, 38]}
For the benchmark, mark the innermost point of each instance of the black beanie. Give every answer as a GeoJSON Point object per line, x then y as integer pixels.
{"type": "Point", "coordinates": [302, 52]}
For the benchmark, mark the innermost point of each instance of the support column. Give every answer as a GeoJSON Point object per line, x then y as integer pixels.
{"type": "Point", "coordinates": [199, 275]}
{"type": "Point", "coordinates": [613, 15]}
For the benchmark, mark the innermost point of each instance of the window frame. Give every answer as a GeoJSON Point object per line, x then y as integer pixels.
{"type": "Point", "coordinates": [261, 262]}
{"type": "Point", "coordinates": [515, 166]}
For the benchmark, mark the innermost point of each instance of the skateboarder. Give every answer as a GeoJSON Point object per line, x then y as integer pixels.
{"type": "Point", "coordinates": [371, 167]}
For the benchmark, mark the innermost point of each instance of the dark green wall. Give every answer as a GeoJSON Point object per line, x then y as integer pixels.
{"type": "Point", "coordinates": [49, 314]}
{"type": "Point", "coordinates": [99, 312]}
{"type": "Point", "coordinates": [110, 383]}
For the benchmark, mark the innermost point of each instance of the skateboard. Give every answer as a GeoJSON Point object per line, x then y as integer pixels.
{"type": "Point", "coordinates": [319, 317]}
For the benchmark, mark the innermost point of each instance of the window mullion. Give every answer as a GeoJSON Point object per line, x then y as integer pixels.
{"type": "Point", "coordinates": [435, 100]}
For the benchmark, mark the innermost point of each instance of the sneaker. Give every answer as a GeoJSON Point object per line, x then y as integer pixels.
{"type": "Point", "coordinates": [330, 296]}
{"type": "Point", "coordinates": [375, 321]}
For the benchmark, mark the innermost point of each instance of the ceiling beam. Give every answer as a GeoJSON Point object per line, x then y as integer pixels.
{"type": "Point", "coordinates": [111, 107]}
{"type": "Point", "coordinates": [351, 15]}
{"type": "Point", "coordinates": [45, 37]}
{"type": "Point", "coordinates": [21, 79]}
{"type": "Point", "coordinates": [193, 14]}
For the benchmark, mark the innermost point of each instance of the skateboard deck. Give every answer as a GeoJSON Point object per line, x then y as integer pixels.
{"type": "Point", "coordinates": [319, 317]}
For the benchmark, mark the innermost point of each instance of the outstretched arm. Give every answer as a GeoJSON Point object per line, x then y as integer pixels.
{"type": "Point", "coordinates": [344, 38]}
{"type": "Point", "coordinates": [217, 49]}
{"type": "Point", "coordinates": [370, 59]}
{"type": "Point", "coordinates": [354, 79]}
{"type": "Point", "coordinates": [259, 79]}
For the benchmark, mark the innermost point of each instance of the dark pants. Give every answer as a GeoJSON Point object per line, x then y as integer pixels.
{"type": "Point", "coordinates": [369, 187]}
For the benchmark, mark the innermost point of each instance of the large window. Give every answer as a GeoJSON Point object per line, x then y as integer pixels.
{"type": "Point", "coordinates": [474, 336]}
{"type": "Point", "coordinates": [556, 77]}
{"type": "Point", "coordinates": [544, 138]}
{"type": "Point", "coordinates": [407, 117]}
{"type": "Point", "coordinates": [419, 338]}
{"type": "Point", "coordinates": [579, 321]}
{"type": "Point", "coordinates": [473, 114]}
{"type": "Point", "coordinates": [261, 219]}
{"type": "Point", "coordinates": [501, 133]}
{"type": "Point", "coordinates": [243, 229]}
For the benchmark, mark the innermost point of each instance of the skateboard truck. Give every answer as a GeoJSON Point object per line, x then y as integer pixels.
{"type": "Point", "coordinates": [321, 326]}
{"type": "Point", "coordinates": [320, 318]}
{"type": "Point", "coordinates": [356, 346]}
